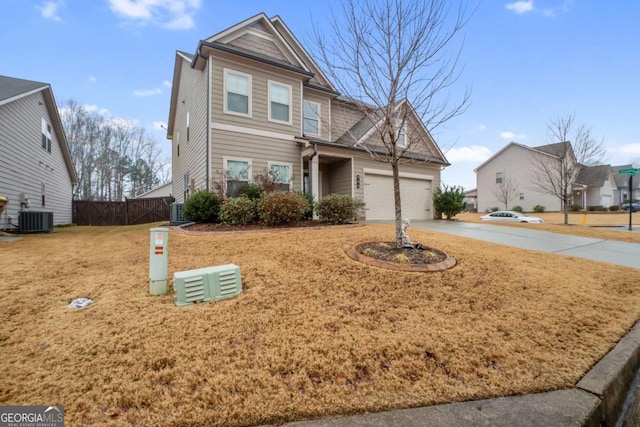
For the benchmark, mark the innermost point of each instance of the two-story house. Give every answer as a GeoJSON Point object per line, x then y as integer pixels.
{"type": "Point", "coordinates": [36, 171]}
{"type": "Point", "coordinates": [251, 101]}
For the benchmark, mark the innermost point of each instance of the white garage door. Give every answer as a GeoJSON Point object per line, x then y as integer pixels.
{"type": "Point", "coordinates": [378, 196]}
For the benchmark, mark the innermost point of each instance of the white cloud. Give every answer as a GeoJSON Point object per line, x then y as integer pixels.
{"type": "Point", "coordinates": [511, 136]}
{"type": "Point", "coordinates": [473, 153]}
{"type": "Point", "coordinates": [166, 83]}
{"type": "Point", "coordinates": [91, 108]}
{"type": "Point", "coordinates": [520, 6]}
{"type": "Point", "coordinates": [148, 92]}
{"type": "Point", "coordinates": [483, 127]}
{"type": "Point", "coordinates": [92, 79]}
{"type": "Point", "coordinates": [49, 10]}
{"type": "Point", "coordinates": [171, 14]}
{"type": "Point", "coordinates": [630, 150]}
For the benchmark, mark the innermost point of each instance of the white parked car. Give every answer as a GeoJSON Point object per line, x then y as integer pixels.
{"type": "Point", "coordinates": [511, 216]}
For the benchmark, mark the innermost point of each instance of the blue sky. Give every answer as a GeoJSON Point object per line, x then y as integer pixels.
{"type": "Point", "coordinates": [527, 61]}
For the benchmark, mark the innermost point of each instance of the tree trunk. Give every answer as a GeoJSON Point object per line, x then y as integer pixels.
{"type": "Point", "coordinates": [396, 197]}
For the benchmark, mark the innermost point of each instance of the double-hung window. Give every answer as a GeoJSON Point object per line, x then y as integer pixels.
{"type": "Point", "coordinates": [238, 174]}
{"type": "Point", "coordinates": [311, 112]}
{"type": "Point", "coordinates": [402, 138]}
{"type": "Point", "coordinates": [46, 136]}
{"type": "Point", "coordinates": [498, 177]}
{"type": "Point", "coordinates": [280, 173]}
{"type": "Point", "coordinates": [279, 102]}
{"type": "Point", "coordinates": [237, 93]}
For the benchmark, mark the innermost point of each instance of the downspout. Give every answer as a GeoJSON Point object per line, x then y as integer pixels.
{"type": "Point", "coordinates": [310, 167]}
{"type": "Point", "coordinates": [208, 121]}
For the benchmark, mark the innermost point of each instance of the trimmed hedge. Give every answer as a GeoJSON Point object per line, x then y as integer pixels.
{"type": "Point", "coordinates": [202, 206]}
{"type": "Point", "coordinates": [281, 207]}
{"type": "Point", "coordinates": [338, 208]}
{"type": "Point", "coordinates": [239, 211]}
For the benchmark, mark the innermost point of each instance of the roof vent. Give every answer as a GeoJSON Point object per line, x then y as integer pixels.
{"type": "Point", "coordinates": [206, 284]}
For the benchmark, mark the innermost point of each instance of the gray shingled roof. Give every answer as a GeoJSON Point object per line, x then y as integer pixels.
{"type": "Point", "coordinates": [10, 87]}
{"type": "Point", "coordinates": [593, 176]}
{"type": "Point", "coordinates": [555, 149]}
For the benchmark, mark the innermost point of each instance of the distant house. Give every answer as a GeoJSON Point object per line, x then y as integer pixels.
{"type": "Point", "coordinates": [471, 200]}
{"type": "Point", "coordinates": [163, 190]}
{"type": "Point", "coordinates": [251, 102]}
{"type": "Point", "coordinates": [37, 172]}
{"type": "Point", "coordinates": [622, 185]}
{"type": "Point", "coordinates": [516, 164]}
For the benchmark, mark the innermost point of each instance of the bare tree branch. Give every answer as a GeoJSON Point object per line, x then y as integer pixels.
{"type": "Point", "coordinates": [506, 190]}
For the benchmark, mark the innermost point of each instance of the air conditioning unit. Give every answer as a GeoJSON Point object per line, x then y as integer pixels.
{"type": "Point", "coordinates": [35, 222]}
{"type": "Point", "coordinates": [206, 284]}
{"type": "Point", "coordinates": [176, 217]}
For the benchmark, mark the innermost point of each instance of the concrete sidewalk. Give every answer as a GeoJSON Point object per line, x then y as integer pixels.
{"type": "Point", "coordinates": [614, 252]}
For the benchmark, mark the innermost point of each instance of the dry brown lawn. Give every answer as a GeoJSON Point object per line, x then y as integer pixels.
{"type": "Point", "coordinates": [313, 334]}
{"type": "Point", "coordinates": [605, 225]}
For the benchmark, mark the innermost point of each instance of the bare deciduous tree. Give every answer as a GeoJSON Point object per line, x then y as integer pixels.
{"type": "Point", "coordinates": [391, 58]}
{"type": "Point", "coordinates": [576, 147]}
{"type": "Point", "coordinates": [113, 158]}
{"type": "Point", "coordinates": [506, 190]}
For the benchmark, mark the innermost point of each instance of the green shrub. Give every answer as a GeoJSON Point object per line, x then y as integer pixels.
{"type": "Point", "coordinates": [239, 211]}
{"type": "Point", "coordinates": [517, 209]}
{"type": "Point", "coordinates": [575, 207]}
{"type": "Point", "coordinates": [202, 206]}
{"type": "Point", "coordinates": [251, 190]}
{"type": "Point", "coordinates": [494, 208]}
{"type": "Point", "coordinates": [538, 208]}
{"type": "Point", "coordinates": [281, 207]}
{"type": "Point", "coordinates": [338, 208]}
{"type": "Point", "coordinates": [448, 200]}
{"type": "Point", "coordinates": [614, 208]}
{"type": "Point", "coordinates": [310, 203]}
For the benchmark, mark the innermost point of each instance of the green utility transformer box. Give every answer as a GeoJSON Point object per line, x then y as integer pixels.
{"type": "Point", "coordinates": [206, 284]}
{"type": "Point", "coordinates": [158, 261]}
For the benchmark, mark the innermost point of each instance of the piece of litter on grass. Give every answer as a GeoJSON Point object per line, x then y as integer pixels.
{"type": "Point", "coordinates": [80, 303]}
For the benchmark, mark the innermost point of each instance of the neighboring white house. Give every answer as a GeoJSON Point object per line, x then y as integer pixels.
{"type": "Point", "coordinates": [251, 101]}
{"type": "Point", "coordinates": [518, 166]}
{"type": "Point", "coordinates": [513, 163]}
{"type": "Point", "coordinates": [163, 190]}
{"type": "Point", "coordinates": [622, 183]}
{"type": "Point", "coordinates": [36, 171]}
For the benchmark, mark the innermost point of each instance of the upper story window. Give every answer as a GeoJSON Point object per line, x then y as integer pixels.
{"type": "Point", "coordinates": [280, 173]}
{"type": "Point", "coordinates": [498, 177]}
{"type": "Point", "coordinates": [311, 118]}
{"type": "Point", "coordinates": [402, 138]}
{"type": "Point", "coordinates": [188, 125]}
{"type": "Point", "coordinates": [178, 144]}
{"type": "Point", "coordinates": [238, 174]}
{"type": "Point", "coordinates": [279, 102]}
{"type": "Point", "coordinates": [46, 136]}
{"type": "Point", "coordinates": [237, 93]}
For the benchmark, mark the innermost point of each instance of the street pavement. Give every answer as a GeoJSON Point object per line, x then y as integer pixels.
{"type": "Point", "coordinates": [614, 252]}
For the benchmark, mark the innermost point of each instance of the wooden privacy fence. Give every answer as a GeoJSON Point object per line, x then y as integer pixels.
{"type": "Point", "coordinates": [129, 212]}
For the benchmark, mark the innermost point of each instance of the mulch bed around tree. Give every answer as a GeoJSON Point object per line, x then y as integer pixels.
{"type": "Point", "coordinates": [389, 252]}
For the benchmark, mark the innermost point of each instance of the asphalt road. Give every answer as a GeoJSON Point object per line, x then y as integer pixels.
{"type": "Point", "coordinates": [620, 253]}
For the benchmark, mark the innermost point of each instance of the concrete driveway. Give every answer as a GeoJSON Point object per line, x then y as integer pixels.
{"type": "Point", "coordinates": [620, 253]}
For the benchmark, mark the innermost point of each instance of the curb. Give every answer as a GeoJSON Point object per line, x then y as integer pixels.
{"type": "Point", "coordinates": [598, 399]}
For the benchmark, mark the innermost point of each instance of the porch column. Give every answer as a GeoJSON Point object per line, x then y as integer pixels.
{"type": "Point", "coordinates": [313, 178]}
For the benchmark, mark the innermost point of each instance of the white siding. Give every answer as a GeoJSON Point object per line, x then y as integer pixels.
{"type": "Point", "coordinates": [513, 162]}
{"type": "Point", "coordinates": [26, 166]}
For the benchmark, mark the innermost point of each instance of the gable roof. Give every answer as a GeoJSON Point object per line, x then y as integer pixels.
{"type": "Point", "coordinates": [593, 176]}
{"type": "Point", "coordinates": [622, 179]}
{"type": "Point", "coordinates": [555, 149]}
{"type": "Point", "coordinates": [12, 89]}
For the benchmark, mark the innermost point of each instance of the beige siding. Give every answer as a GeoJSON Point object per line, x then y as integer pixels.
{"type": "Point", "coordinates": [259, 45]}
{"type": "Point", "coordinates": [341, 173]}
{"type": "Point", "coordinates": [514, 162]}
{"type": "Point", "coordinates": [259, 149]}
{"type": "Point", "coordinates": [343, 118]}
{"type": "Point", "coordinates": [260, 96]}
{"type": "Point", "coordinates": [26, 166]}
{"type": "Point", "coordinates": [193, 152]}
